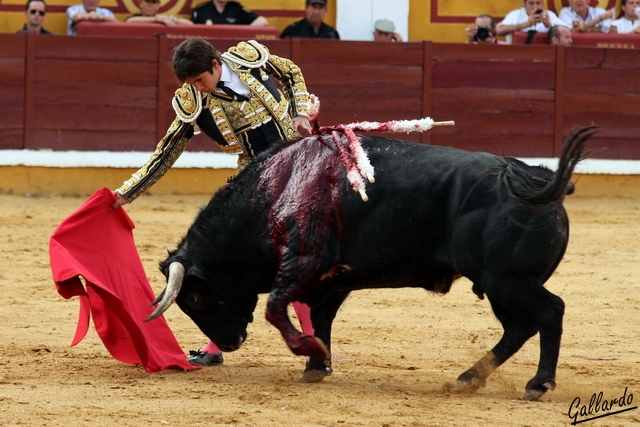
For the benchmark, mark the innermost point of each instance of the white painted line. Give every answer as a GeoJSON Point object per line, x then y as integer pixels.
{"type": "Point", "coordinates": [217, 160]}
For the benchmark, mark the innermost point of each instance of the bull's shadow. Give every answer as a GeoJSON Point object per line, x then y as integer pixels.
{"type": "Point", "coordinates": [290, 225]}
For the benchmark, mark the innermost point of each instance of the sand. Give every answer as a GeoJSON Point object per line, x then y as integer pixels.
{"type": "Point", "coordinates": [396, 352]}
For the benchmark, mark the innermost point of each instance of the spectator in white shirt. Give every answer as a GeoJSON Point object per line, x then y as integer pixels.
{"type": "Point", "coordinates": [583, 18]}
{"type": "Point", "coordinates": [529, 17]}
{"type": "Point", "coordinates": [629, 23]}
{"type": "Point", "coordinates": [87, 11]}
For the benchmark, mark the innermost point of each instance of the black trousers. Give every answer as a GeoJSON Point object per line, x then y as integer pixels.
{"type": "Point", "coordinates": [259, 139]}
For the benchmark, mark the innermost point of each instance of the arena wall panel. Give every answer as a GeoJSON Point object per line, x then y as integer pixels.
{"type": "Point", "coordinates": [92, 93]}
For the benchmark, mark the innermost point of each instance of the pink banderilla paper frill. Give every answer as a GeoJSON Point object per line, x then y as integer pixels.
{"type": "Point", "coordinates": [98, 245]}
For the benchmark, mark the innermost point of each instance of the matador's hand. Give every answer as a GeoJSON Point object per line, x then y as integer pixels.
{"type": "Point", "coordinates": [120, 200]}
{"type": "Point", "coordinates": [302, 125]}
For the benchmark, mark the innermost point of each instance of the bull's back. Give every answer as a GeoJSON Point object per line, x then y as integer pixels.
{"type": "Point", "coordinates": [437, 207]}
{"type": "Point", "coordinates": [406, 224]}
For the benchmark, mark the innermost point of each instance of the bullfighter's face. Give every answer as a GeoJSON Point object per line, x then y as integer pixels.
{"type": "Point", "coordinates": [206, 82]}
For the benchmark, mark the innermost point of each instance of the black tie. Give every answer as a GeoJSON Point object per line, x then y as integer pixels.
{"type": "Point", "coordinates": [235, 95]}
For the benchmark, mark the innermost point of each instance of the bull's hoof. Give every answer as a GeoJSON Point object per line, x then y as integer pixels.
{"type": "Point", "coordinates": [469, 382]}
{"type": "Point", "coordinates": [535, 393]}
{"type": "Point", "coordinates": [315, 375]}
{"type": "Point", "coordinates": [467, 386]}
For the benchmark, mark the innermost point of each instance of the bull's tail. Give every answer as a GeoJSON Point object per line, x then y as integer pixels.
{"type": "Point", "coordinates": [540, 193]}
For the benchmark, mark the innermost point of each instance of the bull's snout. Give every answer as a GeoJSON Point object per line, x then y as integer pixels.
{"type": "Point", "coordinates": [227, 347]}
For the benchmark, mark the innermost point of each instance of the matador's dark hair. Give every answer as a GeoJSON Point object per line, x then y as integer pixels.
{"type": "Point", "coordinates": [193, 57]}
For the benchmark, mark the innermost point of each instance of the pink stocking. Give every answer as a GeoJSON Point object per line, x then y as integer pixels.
{"type": "Point", "coordinates": [211, 348]}
{"type": "Point", "coordinates": [304, 317]}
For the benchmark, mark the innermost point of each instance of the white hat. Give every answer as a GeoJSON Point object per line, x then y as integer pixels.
{"type": "Point", "coordinates": [384, 26]}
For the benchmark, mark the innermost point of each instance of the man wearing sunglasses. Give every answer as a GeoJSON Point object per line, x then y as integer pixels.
{"type": "Point", "coordinates": [35, 11]}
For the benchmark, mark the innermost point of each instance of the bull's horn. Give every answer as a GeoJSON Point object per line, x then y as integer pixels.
{"type": "Point", "coordinates": [174, 283]}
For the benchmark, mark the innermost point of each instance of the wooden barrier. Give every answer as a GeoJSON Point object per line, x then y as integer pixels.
{"type": "Point", "coordinates": [121, 29]}
{"type": "Point", "coordinates": [113, 93]}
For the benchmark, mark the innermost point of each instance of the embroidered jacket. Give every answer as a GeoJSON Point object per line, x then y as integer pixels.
{"type": "Point", "coordinates": [227, 120]}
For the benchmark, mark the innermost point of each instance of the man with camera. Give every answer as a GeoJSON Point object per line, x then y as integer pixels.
{"type": "Point", "coordinates": [483, 31]}
{"type": "Point", "coordinates": [528, 18]}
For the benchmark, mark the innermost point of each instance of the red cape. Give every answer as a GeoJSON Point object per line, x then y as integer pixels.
{"type": "Point", "coordinates": [98, 245]}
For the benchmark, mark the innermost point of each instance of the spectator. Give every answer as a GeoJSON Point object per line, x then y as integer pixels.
{"type": "Point", "coordinates": [87, 11]}
{"type": "Point", "coordinates": [483, 31]}
{"type": "Point", "coordinates": [34, 12]}
{"type": "Point", "coordinates": [225, 12]}
{"type": "Point", "coordinates": [583, 18]}
{"type": "Point", "coordinates": [630, 20]}
{"type": "Point", "coordinates": [560, 36]}
{"type": "Point", "coordinates": [149, 13]}
{"type": "Point", "coordinates": [528, 18]}
{"type": "Point", "coordinates": [312, 26]}
{"type": "Point", "coordinates": [384, 30]}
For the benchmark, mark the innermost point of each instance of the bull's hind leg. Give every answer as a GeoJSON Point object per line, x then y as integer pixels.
{"type": "Point", "coordinates": [523, 310]}
{"type": "Point", "coordinates": [516, 333]}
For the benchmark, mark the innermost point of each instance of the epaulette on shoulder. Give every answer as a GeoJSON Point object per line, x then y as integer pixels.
{"type": "Point", "coordinates": [187, 103]}
{"type": "Point", "coordinates": [249, 54]}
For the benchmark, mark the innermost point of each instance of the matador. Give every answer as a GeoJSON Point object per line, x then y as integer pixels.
{"type": "Point", "coordinates": [232, 98]}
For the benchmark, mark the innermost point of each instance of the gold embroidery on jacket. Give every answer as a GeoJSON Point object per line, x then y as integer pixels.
{"type": "Point", "coordinates": [187, 103]}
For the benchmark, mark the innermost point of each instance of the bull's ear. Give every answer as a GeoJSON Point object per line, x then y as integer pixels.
{"type": "Point", "coordinates": [195, 272]}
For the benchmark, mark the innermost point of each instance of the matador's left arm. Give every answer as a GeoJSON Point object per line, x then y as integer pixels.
{"type": "Point", "coordinates": [292, 80]}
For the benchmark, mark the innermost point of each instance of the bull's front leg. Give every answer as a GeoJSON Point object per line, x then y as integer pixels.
{"type": "Point", "coordinates": [322, 317]}
{"type": "Point", "coordinates": [299, 343]}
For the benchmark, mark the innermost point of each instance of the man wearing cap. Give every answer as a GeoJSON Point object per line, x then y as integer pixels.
{"type": "Point", "coordinates": [384, 30]}
{"type": "Point", "coordinates": [312, 26]}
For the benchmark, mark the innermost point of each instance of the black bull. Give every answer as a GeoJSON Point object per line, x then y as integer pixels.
{"type": "Point", "coordinates": [290, 225]}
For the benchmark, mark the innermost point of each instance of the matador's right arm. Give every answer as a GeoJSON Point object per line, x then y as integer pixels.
{"type": "Point", "coordinates": [188, 105]}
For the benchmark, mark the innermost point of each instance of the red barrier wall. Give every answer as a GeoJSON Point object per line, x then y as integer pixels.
{"type": "Point", "coordinates": [94, 93]}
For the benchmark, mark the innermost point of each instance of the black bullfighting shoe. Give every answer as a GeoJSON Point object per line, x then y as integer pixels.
{"type": "Point", "coordinates": [202, 358]}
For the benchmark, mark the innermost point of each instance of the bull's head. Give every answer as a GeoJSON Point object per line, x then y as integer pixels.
{"type": "Point", "coordinates": [212, 300]}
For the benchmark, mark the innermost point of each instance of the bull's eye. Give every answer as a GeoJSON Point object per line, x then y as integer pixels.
{"type": "Point", "coordinates": [196, 301]}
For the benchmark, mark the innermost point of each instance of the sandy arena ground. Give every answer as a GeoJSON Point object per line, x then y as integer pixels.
{"type": "Point", "coordinates": [396, 352]}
